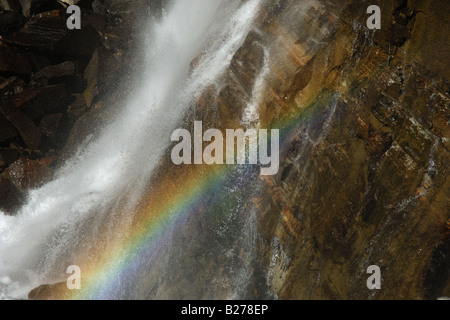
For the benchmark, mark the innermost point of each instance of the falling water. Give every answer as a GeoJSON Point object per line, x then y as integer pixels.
{"type": "Point", "coordinates": [105, 180]}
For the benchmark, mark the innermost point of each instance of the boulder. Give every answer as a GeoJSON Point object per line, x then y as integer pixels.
{"type": "Point", "coordinates": [54, 71]}
{"type": "Point", "coordinates": [24, 125]}
{"type": "Point", "coordinates": [8, 156]}
{"type": "Point", "coordinates": [98, 74]}
{"type": "Point", "coordinates": [11, 197]}
{"type": "Point", "coordinates": [55, 291]}
{"type": "Point", "coordinates": [248, 61]}
{"type": "Point", "coordinates": [7, 130]}
{"type": "Point", "coordinates": [79, 42]}
{"type": "Point", "coordinates": [77, 108]}
{"type": "Point", "coordinates": [27, 174]}
{"type": "Point", "coordinates": [48, 32]}
{"type": "Point", "coordinates": [30, 7]}
{"type": "Point", "coordinates": [86, 127]}
{"type": "Point", "coordinates": [15, 60]}
{"type": "Point", "coordinates": [50, 124]}
{"type": "Point", "coordinates": [10, 5]}
{"type": "Point", "coordinates": [11, 86]}
{"type": "Point", "coordinates": [37, 102]}
{"type": "Point", "coordinates": [10, 21]}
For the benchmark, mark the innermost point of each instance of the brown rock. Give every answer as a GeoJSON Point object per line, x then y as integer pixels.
{"type": "Point", "coordinates": [41, 32]}
{"type": "Point", "coordinates": [10, 5]}
{"type": "Point", "coordinates": [24, 125]}
{"type": "Point", "coordinates": [365, 180]}
{"type": "Point", "coordinates": [77, 108]}
{"type": "Point", "coordinates": [88, 124]}
{"type": "Point", "coordinates": [50, 124]}
{"type": "Point", "coordinates": [48, 31]}
{"type": "Point", "coordinates": [99, 7]}
{"type": "Point", "coordinates": [247, 61]}
{"type": "Point", "coordinates": [37, 102]}
{"type": "Point", "coordinates": [10, 85]}
{"type": "Point", "coordinates": [11, 197]}
{"type": "Point", "coordinates": [7, 130]}
{"type": "Point", "coordinates": [8, 156]}
{"type": "Point", "coordinates": [30, 7]}
{"type": "Point", "coordinates": [48, 161]}
{"type": "Point", "coordinates": [63, 69]}
{"type": "Point", "coordinates": [398, 34]}
{"type": "Point", "coordinates": [231, 102]}
{"type": "Point", "coordinates": [98, 73]}
{"type": "Point", "coordinates": [10, 21]}
{"type": "Point", "coordinates": [79, 42]}
{"type": "Point", "coordinates": [97, 21]}
{"type": "Point", "coordinates": [15, 60]}
{"type": "Point", "coordinates": [56, 291]}
{"type": "Point", "coordinates": [27, 174]}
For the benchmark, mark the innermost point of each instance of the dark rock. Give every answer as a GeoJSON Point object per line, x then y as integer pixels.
{"type": "Point", "coordinates": [11, 197]}
{"type": "Point", "coordinates": [97, 21]}
{"type": "Point", "coordinates": [247, 61]}
{"type": "Point", "coordinates": [77, 108]}
{"type": "Point", "coordinates": [14, 60]}
{"type": "Point", "coordinates": [7, 130]}
{"type": "Point", "coordinates": [99, 7]}
{"type": "Point", "coordinates": [37, 102]}
{"type": "Point", "coordinates": [54, 291]}
{"type": "Point", "coordinates": [437, 277]}
{"type": "Point", "coordinates": [10, 5]}
{"type": "Point", "coordinates": [399, 34]}
{"type": "Point", "coordinates": [24, 125]}
{"type": "Point", "coordinates": [10, 85]}
{"type": "Point", "coordinates": [86, 126]}
{"type": "Point", "coordinates": [49, 162]}
{"type": "Point", "coordinates": [27, 174]}
{"type": "Point", "coordinates": [231, 101]}
{"type": "Point", "coordinates": [31, 7]}
{"type": "Point", "coordinates": [84, 4]}
{"type": "Point", "coordinates": [50, 124]}
{"type": "Point", "coordinates": [10, 21]}
{"type": "Point", "coordinates": [48, 31]}
{"type": "Point", "coordinates": [8, 156]}
{"type": "Point", "coordinates": [347, 194]}
{"type": "Point", "coordinates": [63, 69]}
{"type": "Point", "coordinates": [79, 42]}
{"type": "Point", "coordinates": [98, 74]}
{"type": "Point", "coordinates": [40, 32]}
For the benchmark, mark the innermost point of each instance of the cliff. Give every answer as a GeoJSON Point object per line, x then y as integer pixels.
{"type": "Point", "coordinates": [363, 180]}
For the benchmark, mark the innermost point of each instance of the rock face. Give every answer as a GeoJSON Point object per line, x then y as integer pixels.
{"type": "Point", "coordinates": [45, 72]}
{"type": "Point", "coordinates": [364, 175]}
{"type": "Point", "coordinates": [363, 178]}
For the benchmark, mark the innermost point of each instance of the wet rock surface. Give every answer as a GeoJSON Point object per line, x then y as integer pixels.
{"type": "Point", "coordinates": [365, 180]}
{"type": "Point", "coordinates": [46, 71]}
{"type": "Point", "coordinates": [364, 115]}
{"type": "Point", "coordinates": [364, 174]}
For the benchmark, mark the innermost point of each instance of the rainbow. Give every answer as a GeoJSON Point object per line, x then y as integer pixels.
{"type": "Point", "coordinates": [164, 209]}
{"type": "Point", "coordinates": [153, 222]}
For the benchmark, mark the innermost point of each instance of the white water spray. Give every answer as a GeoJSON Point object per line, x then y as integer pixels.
{"type": "Point", "coordinates": [106, 180]}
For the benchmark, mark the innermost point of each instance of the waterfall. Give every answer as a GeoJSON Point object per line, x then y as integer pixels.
{"type": "Point", "coordinates": [106, 179]}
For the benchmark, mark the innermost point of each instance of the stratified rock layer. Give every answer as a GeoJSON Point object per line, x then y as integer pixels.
{"type": "Point", "coordinates": [363, 180]}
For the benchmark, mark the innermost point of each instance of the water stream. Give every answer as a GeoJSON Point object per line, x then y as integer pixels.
{"type": "Point", "coordinates": [105, 181]}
